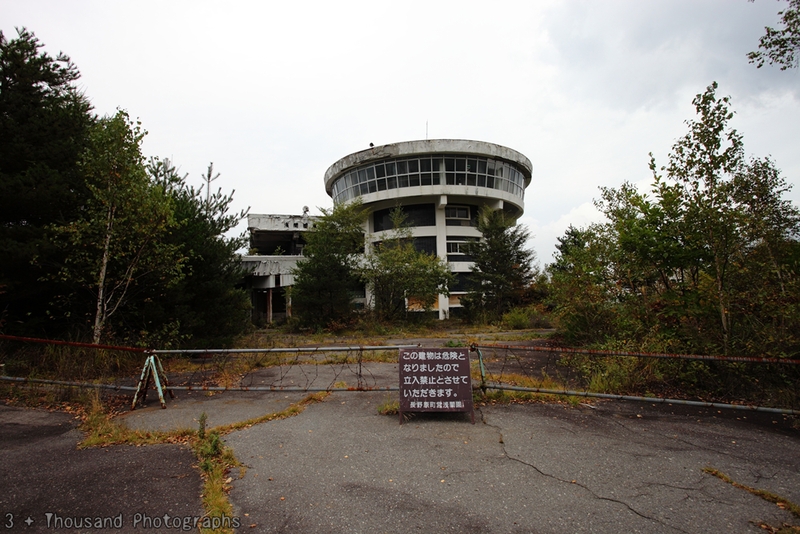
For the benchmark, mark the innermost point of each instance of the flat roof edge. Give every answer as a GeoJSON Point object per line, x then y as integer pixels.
{"type": "Point", "coordinates": [429, 146]}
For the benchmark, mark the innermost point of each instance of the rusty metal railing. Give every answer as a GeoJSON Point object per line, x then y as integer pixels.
{"type": "Point", "coordinates": [347, 368]}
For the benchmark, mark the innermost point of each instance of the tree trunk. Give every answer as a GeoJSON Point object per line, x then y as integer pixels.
{"type": "Point", "coordinates": [100, 312]}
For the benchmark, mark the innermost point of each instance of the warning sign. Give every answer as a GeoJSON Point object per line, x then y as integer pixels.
{"type": "Point", "coordinates": [435, 380]}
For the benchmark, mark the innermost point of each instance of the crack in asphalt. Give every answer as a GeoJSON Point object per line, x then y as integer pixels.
{"type": "Point", "coordinates": [573, 483]}
{"type": "Point", "coordinates": [664, 484]}
{"type": "Point", "coordinates": [689, 443]}
{"type": "Point", "coordinates": [698, 493]}
{"type": "Point", "coordinates": [759, 477]}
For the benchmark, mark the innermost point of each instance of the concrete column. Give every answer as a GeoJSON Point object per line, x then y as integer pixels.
{"type": "Point", "coordinates": [269, 306]}
{"type": "Point", "coordinates": [441, 249]}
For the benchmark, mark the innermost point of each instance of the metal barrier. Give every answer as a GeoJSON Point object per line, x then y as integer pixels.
{"type": "Point", "coordinates": [303, 368]}
{"type": "Point", "coordinates": [509, 361]}
{"type": "Point", "coordinates": [348, 368]}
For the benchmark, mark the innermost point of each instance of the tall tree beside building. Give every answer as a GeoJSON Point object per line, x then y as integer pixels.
{"type": "Point", "coordinates": [503, 267]}
{"type": "Point", "coordinates": [44, 129]}
{"type": "Point", "coordinates": [703, 163]}
{"type": "Point", "coordinates": [204, 307]}
{"type": "Point", "coordinates": [119, 238]}
{"type": "Point", "coordinates": [401, 278]}
{"type": "Point", "coordinates": [326, 280]}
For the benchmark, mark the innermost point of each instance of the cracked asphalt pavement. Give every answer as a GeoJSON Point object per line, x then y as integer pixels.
{"type": "Point", "coordinates": [43, 472]}
{"type": "Point", "coordinates": [543, 468]}
{"type": "Point", "coordinates": [339, 466]}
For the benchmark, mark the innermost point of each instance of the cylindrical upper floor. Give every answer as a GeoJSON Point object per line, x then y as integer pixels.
{"type": "Point", "coordinates": [453, 167]}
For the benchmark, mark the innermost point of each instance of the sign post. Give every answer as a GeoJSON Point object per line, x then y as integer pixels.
{"type": "Point", "coordinates": [435, 380]}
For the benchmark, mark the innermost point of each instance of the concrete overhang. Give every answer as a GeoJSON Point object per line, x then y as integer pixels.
{"type": "Point", "coordinates": [431, 146]}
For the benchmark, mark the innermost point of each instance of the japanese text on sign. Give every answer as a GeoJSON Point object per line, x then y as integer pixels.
{"type": "Point", "coordinates": [435, 380]}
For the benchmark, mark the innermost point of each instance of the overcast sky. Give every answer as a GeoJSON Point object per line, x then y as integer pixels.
{"type": "Point", "coordinates": [275, 92]}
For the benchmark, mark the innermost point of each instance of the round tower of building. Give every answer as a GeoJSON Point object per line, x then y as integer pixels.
{"type": "Point", "coordinates": [440, 185]}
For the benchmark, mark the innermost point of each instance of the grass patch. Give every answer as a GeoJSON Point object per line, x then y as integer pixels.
{"type": "Point", "coordinates": [337, 358]}
{"type": "Point", "coordinates": [51, 397]}
{"type": "Point", "coordinates": [533, 316]}
{"type": "Point", "coordinates": [505, 396]}
{"type": "Point", "coordinates": [780, 502]}
{"type": "Point", "coordinates": [381, 356]}
{"type": "Point", "coordinates": [352, 357]}
{"type": "Point", "coordinates": [61, 362]}
{"type": "Point", "coordinates": [215, 460]}
{"type": "Point", "coordinates": [389, 406]}
{"type": "Point", "coordinates": [292, 410]}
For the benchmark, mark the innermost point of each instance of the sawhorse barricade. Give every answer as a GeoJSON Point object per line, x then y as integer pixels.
{"type": "Point", "coordinates": [152, 371]}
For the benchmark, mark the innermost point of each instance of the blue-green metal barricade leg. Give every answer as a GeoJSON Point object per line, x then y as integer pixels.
{"type": "Point", "coordinates": [154, 371]}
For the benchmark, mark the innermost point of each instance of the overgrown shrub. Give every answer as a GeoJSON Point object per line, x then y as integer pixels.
{"type": "Point", "coordinates": [528, 317]}
{"type": "Point", "coordinates": [68, 363]}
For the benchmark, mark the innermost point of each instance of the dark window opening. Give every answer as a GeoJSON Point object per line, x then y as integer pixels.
{"type": "Point", "coordinates": [416, 215]}
{"type": "Point", "coordinates": [463, 282]}
{"type": "Point", "coordinates": [425, 244]}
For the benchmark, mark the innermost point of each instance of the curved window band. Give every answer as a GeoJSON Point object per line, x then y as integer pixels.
{"type": "Point", "coordinates": [434, 170]}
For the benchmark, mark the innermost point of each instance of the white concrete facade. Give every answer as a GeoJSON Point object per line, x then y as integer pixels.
{"type": "Point", "coordinates": [441, 184]}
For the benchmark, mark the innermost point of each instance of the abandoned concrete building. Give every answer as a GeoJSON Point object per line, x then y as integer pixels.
{"type": "Point", "coordinates": [440, 184]}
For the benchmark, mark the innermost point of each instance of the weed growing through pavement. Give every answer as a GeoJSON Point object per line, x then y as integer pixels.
{"type": "Point", "coordinates": [389, 406]}
{"type": "Point", "coordinates": [781, 502]}
{"type": "Point", "coordinates": [215, 460]}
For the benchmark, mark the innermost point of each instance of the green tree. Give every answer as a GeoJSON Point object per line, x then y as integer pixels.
{"type": "Point", "coordinates": [781, 46]}
{"type": "Point", "coordinates": [583, 287]}
{"type": "Point", "coordinates": [704, 162]}
{"type": "Point", "coordinates": [400, 277]}
{"type": "Point", "coordinates": [764, 284]}
{"type": "Point", "coordinates": [705, 263]}
{"type": "Point", "coordinates": [503, 267]}
{"type": "Point", "coordinates": [326, 279]}
{"type": "Point", "coordinates": [119, 238]}
{"type": "Point", "coordinates": [203, 308]}
{"type": "Point", "coordinates": [44, 127]}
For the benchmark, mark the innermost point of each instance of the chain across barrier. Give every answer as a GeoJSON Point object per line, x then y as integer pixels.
{"type": "Point", "coordinates": [364, 368]}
